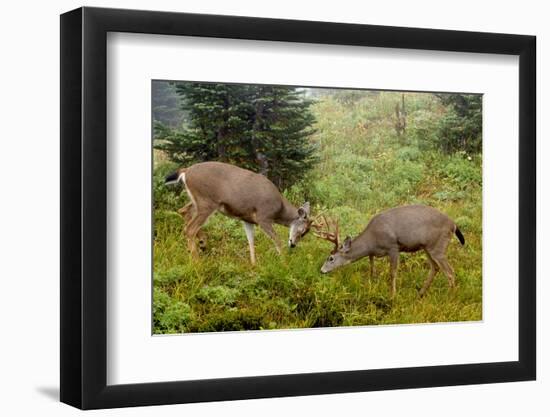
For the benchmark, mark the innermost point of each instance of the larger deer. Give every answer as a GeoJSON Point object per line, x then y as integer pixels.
{"type": "Point", "coordinates": [241, 194]}
{"type": "Point", "coordinates": [401, 229]}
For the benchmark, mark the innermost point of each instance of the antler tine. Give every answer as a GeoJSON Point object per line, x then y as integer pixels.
{"type": "Point", "coordinates": [327, 225]}
{"type": "Point", "coordinates": [337, 232]}
{"type": "Point", "coordinates": [320, 223]}
{"type": "Point", "coordinates": [317, 223]}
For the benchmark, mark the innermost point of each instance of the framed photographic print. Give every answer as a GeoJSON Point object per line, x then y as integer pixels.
{"type": "Point", "coordinates": [257, 208]}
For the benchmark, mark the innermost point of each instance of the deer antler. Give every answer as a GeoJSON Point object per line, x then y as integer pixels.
{"type": "Point", "coordinates": [327, 229]}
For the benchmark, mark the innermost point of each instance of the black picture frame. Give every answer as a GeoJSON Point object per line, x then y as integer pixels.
{"type": "Point", "coordinates": [84, 207]}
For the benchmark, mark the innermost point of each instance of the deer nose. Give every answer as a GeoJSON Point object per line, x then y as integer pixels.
{"type": "Point", "coordinates": [291, 244]}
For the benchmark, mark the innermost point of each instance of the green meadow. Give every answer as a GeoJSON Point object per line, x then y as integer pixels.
{"type": "Point", "coordinates": [364, 166]}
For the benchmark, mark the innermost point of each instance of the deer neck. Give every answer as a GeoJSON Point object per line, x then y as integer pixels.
{"type": "Point", "coordinates": [287, 214]}
{"type": "Point", "coordinates": [360, 247]}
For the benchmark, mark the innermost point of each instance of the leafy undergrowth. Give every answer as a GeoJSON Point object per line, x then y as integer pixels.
{"type": "Point", "coordinates": [363, 170]}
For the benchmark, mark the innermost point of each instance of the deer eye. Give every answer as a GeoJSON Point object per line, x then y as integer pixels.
{"type": "Point", "coordinates": [331, 258]}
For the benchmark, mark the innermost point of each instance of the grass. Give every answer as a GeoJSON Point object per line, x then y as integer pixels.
{"type": "Point", "coordinates": [363, 170]}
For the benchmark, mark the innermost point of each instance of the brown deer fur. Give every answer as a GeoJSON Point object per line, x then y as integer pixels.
{"type": "Point", "coordinates": [241, 194]}
{"type": "Point", "coordinates": [402, 229]}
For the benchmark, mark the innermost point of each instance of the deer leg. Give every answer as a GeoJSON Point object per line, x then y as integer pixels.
{"type": "Point", "coordinates": [394, 263]}
{"type": "Point", "coordinates": [448, 271]}
{"type": "Point", "coordinates": [187, 212]}
{"type": "Point", "coordinates": [371, 259]}
{"type": "Point", "coordinates": [193, 228]}
{"type": "Point", "coordinates": [249, 230]}
{"type": "Point", "coordinates": [439, 257]}
{"type": "Point", "coordinates": [268, 229]}
{"type": "Point", "coordinates": [433, 270]}
{"type": "Point", "coordinates": [201, 236]}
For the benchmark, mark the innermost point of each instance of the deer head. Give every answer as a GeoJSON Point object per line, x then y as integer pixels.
{"type": "Point", "coordinates": [300, 226]}
{"type": "Point", "coordinates": [329, 230]}
{"type": "Point", "coordinates": [338, 257]}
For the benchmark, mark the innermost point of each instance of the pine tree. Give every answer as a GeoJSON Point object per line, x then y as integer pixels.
{"type": "Point", "coordinates": [262, 128]}
{"type": "Point", "coordinates": [460, 128]}
{"type": "Point", "coordinates": [166, 104]}
{"type": "Point", "coordinates": [282, 124]}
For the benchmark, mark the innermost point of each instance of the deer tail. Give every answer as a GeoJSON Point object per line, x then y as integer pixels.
{"type": "Point", "coordinates": [175, 177]}
{"type": "Point", "coordinates": [459, 235]}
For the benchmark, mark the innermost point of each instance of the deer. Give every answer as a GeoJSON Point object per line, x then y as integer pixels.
{"type": "Point", "coordinates": [401, 229]}
{"type": "Point", "coordinates": [241, 194]}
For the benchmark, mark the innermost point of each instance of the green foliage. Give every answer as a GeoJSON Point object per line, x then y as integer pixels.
{"type": "Point", "coordinates": [261, 128]}
{"type": "Point", "coordinates": [460, 128]}
{"type": "Point", "coordinates": [166, 198]}
{"type": "Point", "coordinates": [422, 129]}
{"type": "Point", "coordinates": [218, 295]}
{"type": "Point", "coordinates": [170, 316]}
{"type": "Point", "coordinates": [362, 169]}
{"type": "Point", "coordinates": [460, 169]}
{"type": "Point", "coordinates": [232, 320]}
{"type": "Point", "coordinates": [409, 153]}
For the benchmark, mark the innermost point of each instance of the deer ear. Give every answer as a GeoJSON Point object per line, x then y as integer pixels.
{"type": "Point", "coordinates": [304, 210]}
{"type": "Point", "coordinates": [346, 246]}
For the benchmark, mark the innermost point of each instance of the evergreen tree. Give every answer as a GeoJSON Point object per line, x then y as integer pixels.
{"type": "Point", "coordinates": [261, 128]}
{"type": "Point", "coordinates": [166, 104]}
{"type": "Point", "coordinates": [461, 127]}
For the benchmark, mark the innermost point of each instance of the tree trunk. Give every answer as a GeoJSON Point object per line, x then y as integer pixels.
{"type": "Point", "coordinates": [400, 119]}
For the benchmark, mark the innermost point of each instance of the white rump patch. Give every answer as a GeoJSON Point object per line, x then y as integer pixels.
{"type": "Point", "coordinates": [182, 179]}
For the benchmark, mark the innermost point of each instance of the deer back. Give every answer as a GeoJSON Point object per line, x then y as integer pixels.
{"type": "Point", "coordinates": [235, 191]}
{"type": "Point", "coordinates": [409, 227]}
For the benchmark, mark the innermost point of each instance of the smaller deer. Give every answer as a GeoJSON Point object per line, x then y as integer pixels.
{"type": "Point", "coordinates": [401, 229]}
